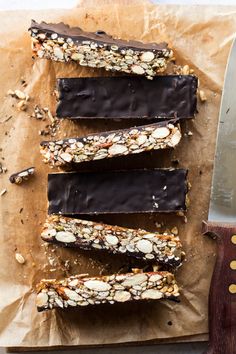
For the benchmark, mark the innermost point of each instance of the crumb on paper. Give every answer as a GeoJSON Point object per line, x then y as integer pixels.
{"type": "Point", "coordinates": [18, 94]}
{"type": "Point", "coordinates": [3, 191]}
{"type": "Point", "coordinates": [21, 176]}
{"type": "Point", "coordinates": [20, 259]}
{"type": "Point", "coordinates": [3, 169]}
{"type": "Point", "coordinates": [202, 96]}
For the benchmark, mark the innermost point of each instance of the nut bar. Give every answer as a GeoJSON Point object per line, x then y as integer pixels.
{"type": "Point", "coordinates": [81, 290]}
{"type": "Point", "coordinates": [124, 97]}
{"type": "Point", "coordinates": [125, 191]}
{"type": "Point", "coordinates": [163, 248]}
{"type": "Point", "coordinates": [21, 176]}
{"type": "Point", "coordinates": [60, 42]}
{"type": "Point", "coordinates": [99, 146]}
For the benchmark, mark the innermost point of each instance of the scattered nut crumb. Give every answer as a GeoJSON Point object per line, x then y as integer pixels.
{"type": "Point", "coordinates": [50, 116]}
{"type": "Point", "coordinates": [38, 113]}
{"type": "Point", "coordinates": [202, 96]}
{"type": "Point", "coordinates": [2, 168]}
{"type": "Point", "coordinates": [3, 192]}
{"type": "Point", "coordinates": [18, 94]}
{"type": "Point", "coordinates": [21, 176]}
{"type": "Point", "coordinates": [20, 259]}
{"type": "Point", "coordinates": [10, 93]}
{"type": "Point", "coordinates": [189, 133]}
{"type": "Point", "coordinates": [23, 82]}
{"type": "Point", "coordinates": [174, 230]}
{"type": "Point", "coordinates": [22, 105]}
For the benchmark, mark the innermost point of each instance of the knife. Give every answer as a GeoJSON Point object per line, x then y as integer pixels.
{"type": "Point", "coordinates": [221, 222]}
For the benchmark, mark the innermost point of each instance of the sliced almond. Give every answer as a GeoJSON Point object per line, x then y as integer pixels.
{"type": "Point", "coordinates": [144, 246]}
{"type": "Point", "coordinates": [122, 296]}
{"type": "Point", "coordinates": [97, 285]}
{"type": "Point", "coordinates": [111, 239]}
{"type": "Point", "coordinates": [161, 133]}
{"type": "Point", "coordinates": [152, 294]}
{"type": "Point", "coordinates": [71, 294]}
{"type": "Point", "coordinates": [65, 236]}
{"type": "Point", "coordinates": [155, 277]}
{"type": "Point", "coordinates": [117, 149]}
{"type": "Point", "coordinates": [147, 56]}
{"type": "Point", "coordinates": [134, 280]}
{"type": "Point", "coordinates": [66, 157]}
{"type": "Point", "coordinates": [20, 259]}
{"type": "Point", "coordinates": [175, 139]}
{"type": "Point", "coordinates": [137, 69]}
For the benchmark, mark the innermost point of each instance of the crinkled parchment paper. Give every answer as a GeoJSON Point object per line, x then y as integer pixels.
{"type": "Point", "coordinates": [201, 37]}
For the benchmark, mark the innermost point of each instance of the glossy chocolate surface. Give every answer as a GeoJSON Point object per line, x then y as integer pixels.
{"type": "Point", "coordinates": [163, 97]}
{"type": "Point", "coordinates": [127, 191]}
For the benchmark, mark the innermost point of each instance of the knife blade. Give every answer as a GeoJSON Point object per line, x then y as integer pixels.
{"type": "Point", "coordinates": [221, 222]}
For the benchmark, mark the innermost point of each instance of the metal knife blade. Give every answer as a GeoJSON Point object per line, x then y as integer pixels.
{"type": "Point", "coordinates": [222, 221]}
{"type": "Point", "coordinates": [223, 193]}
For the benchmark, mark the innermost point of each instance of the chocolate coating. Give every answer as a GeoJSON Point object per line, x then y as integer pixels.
{"type": "Point", "coordinates": [128, 97]}
{"type": "Point", "coordinates": [128, 191]}
{"type": "Point", "coordinates": [78, 35]}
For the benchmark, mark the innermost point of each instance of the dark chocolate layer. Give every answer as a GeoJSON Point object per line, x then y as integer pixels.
{"type": "Point", "coordinates": [78, 35]}
{"type": "Point", "coordinates": [128, 97]}
{"type": "Point", "coordinates": [128, 191]}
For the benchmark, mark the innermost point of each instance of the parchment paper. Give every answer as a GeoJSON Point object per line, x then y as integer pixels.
{"type": "Point", "coordinates": [201, 37]}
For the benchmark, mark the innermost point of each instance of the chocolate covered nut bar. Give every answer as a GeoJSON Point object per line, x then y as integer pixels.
{"type": "Point", "coordinates": [128, 191]}
{"type": "Point", "coordinates": [60, 42]}
{"type": "Point", "coordinates": [165, 97]}
{"type": "Point", "coordinates": [83, 290]}
{"type": "Point", "coordinates": [21, 176]}
{"type": "Point", "coordinates": [67, 232]}
{"type": "Point", "coordinates": [122, 142]}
